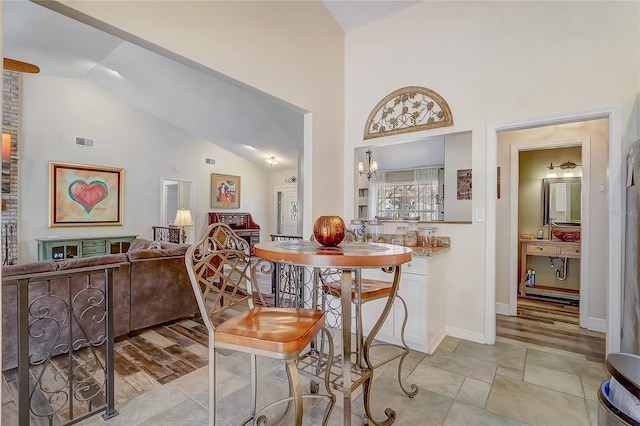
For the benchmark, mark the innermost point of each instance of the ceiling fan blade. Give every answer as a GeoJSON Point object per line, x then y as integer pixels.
{"type": "Point", "coordinates": [14, 65]}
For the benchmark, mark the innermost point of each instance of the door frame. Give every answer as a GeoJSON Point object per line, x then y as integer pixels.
{"type": "Point", "coordinates": [614, 189]}
{"type": "Point", "coordinates": [276, 190]}
{"type": "Point", "coordinates": [585, 145]}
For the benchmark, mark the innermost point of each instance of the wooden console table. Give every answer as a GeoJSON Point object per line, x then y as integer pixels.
{"type": "Point", "coordinates": [544, 248]}
{"type": "Point", "coordinates": [69, 248]}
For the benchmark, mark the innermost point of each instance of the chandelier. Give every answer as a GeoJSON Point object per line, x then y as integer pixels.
{"type": "Point", "coordinates": [372, 166]}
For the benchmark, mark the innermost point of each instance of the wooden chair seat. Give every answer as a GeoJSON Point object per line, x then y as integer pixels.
{"type": "Point", "coordinates": [223, 277]}
{"type": "Point", "coordinates": [370, 289]}
{"type": "Point", "coordinates": [280, 330]}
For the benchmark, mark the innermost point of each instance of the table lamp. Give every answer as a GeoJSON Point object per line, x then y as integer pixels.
{"type": "Point", "coordinates": [183, 218]}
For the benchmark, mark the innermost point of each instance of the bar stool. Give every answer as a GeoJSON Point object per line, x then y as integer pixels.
{"type": "Point", "coordinates": [223, 279]}
{"type": "Point", "coordinates": [369, 290]}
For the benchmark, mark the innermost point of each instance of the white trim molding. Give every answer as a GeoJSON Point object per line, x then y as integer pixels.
{"type": "Point", "coordinates": [615, 186]}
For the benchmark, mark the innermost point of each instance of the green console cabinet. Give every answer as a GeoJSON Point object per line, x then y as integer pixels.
{"type": "Point", "coordinates": [69, 248]}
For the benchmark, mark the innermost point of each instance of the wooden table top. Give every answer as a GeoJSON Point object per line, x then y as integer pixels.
{"type": "Point", "coordinates": [348, 255]}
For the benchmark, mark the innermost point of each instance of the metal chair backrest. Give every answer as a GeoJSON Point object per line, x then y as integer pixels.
{"type": "Point", "coordinates": [221, 272]}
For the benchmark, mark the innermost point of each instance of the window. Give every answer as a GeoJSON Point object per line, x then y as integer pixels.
{"type": "Point", "coordinates": [399, 195]}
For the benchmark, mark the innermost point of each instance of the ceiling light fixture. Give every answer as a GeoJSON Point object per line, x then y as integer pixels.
{"type": "Point", "coordinates": [372, 166]}
{"type": "Point", "coordinates": [272, 160]}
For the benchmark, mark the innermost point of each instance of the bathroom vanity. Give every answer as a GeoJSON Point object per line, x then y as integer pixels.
{"type": "Point", "coordinates": [553, 249]}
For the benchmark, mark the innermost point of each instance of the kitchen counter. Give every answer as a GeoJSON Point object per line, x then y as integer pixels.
{"type": "Point", "coordinates": [428, 251]}
{"type": "Point", "coordinates": [437, 245]}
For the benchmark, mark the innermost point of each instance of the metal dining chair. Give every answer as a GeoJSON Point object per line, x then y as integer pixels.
{"type": "Point", "coordinates": [370, 289]}
{"type": "Point", "coordinates": [223, 276]}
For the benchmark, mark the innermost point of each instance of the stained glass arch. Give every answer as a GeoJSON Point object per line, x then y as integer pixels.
{"type": "Point", "coordinates": [408, 109]}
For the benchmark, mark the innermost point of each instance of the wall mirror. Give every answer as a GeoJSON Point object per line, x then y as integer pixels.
{"type": "Point", "coordinates": [562, 201]}
{"type": "Point", "coordinates": [416, 178]}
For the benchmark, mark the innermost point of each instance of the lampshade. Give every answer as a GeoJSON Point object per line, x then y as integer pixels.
{"type": "Point", "coordinates": [183, 218]}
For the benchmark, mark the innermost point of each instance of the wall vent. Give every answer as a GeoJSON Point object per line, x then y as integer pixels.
{"type": "Point", "coordinates": [210, 161]}
{"type": "Point", "coordinates": [84, 142]}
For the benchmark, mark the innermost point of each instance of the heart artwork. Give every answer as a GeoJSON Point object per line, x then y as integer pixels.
{"type": "Point", "coordinates": [88, 195]}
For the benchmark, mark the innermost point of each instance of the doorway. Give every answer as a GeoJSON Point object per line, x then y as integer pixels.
{"type": "Point", "coordinates": [594, 133]}
{"type": "Point", "coordinates": [176, 194]}
{"type": "Point", "coordinates": [287, 211]}
{"type": "Point", "coordinates": [546, 206]}
{"type": "Point", "coordinates": [549, 223]}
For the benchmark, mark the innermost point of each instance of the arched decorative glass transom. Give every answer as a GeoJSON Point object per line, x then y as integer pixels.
{"type": "Point", "coordinates": [408, 109]}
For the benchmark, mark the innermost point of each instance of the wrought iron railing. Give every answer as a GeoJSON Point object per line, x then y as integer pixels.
{"type": "Point", "coordinates": [65, 344]}
{"type": "Point", "coordinates": [170, 234]}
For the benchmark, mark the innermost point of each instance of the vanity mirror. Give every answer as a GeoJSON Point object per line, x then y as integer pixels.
{"type": "Point", "coordinates": [561, 201]}
{"type": "Point", "coordinates": [414, 178]}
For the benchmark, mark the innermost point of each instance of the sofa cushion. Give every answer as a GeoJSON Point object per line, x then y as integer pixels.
{"type": "Point", "coordinates": [87, 262]}
{"type": "Point", "coordinates": [139, 243]}
{"type": "Point", "coordinates": [176, 250]}
{"type": "Point", "coordinates": [29, 268]}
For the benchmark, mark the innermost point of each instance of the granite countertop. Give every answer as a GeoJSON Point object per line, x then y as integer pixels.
{"type": "Point", "coordinates": [428, 251]}
{"type": "Point", "coordinates": [437, 245]}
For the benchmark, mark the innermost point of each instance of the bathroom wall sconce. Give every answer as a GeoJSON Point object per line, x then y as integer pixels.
{"type": "Point", "coordinates": [566, 167]}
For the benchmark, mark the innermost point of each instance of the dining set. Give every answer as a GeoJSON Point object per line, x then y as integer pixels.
{"type": "Point", "coordinates": [224, 276]}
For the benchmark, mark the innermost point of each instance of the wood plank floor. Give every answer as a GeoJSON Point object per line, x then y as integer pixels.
{"type": "Point", "coordinates": [142, 362]}
{"type": "Point", "coordinates": [554, 325]}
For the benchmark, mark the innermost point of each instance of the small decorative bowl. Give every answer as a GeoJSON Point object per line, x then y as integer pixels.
{"type": "Point", "coordinates": [564, 235]}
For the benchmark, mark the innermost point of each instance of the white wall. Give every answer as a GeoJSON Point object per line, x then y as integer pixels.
{"type": "Point", "coordinates": [494, 63]}
{"type": "Point", "coordinates": [56, 110]}
{"type": "Point", "coordinates": [291, 50]}
{"type": "Point", "coordinates": [457, 156]}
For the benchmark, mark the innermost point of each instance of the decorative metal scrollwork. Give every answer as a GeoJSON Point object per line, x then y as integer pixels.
{"type": "Point", "coordinates": [408, 109]}
{"type": "Point", "coordinates": [65, 350]}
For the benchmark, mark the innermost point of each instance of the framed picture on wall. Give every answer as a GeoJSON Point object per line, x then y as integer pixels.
{"type": "Point", "coordinates": [464, 184]}
{"type": "Point", "coordinates": [83, 195]}
{"type": "Point", "coordinates": [225, 191]}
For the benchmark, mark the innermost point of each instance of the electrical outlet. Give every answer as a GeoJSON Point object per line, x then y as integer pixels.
{"type": "Point", "coordinates": [479, 215]}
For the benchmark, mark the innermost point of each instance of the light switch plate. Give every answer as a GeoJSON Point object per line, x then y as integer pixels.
{"type": "Point", "coordinates": [479, 215]}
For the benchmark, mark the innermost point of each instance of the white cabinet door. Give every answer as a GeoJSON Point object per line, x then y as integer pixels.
{"type": "Point", "coordinates": [413, 289]}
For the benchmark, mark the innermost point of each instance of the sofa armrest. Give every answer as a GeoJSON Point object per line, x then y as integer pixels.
{"type": "Point", "coordinates": [160, 290]}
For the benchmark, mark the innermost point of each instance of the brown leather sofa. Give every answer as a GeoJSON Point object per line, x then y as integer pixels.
{"type": "Point", "coordinates": [150, 287]}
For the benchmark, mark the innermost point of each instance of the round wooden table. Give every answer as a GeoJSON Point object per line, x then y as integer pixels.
{"type": "Point", "coordinates": [348, 257]}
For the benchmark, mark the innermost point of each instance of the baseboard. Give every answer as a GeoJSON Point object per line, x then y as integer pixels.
{"type": "Point", "coordinates": [465, 334]}
{"type": "Point", "coordinates": [435, 341]}
{"type": "Point", "coordinates": [597, 324]}
{"type": "Point", "coordinates": [502, 309]}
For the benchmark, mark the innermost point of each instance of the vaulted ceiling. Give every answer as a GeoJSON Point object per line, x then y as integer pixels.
{"type": "Point", "coordinates": [199, 101]}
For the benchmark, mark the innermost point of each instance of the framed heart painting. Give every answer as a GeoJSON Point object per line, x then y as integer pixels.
{"type": "Point", "coordinates": [82, 195]}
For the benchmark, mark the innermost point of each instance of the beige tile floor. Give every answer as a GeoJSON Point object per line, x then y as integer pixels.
{"type": "Point", "coordinates": [462, 383]}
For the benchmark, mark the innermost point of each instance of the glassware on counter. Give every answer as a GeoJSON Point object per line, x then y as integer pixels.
{"type": "Point", "coordinates": [358, 228]}
{"type": "Point", "coordinates": [373, 230]}
{"type": "Point", "coordinates": [411, 239]}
